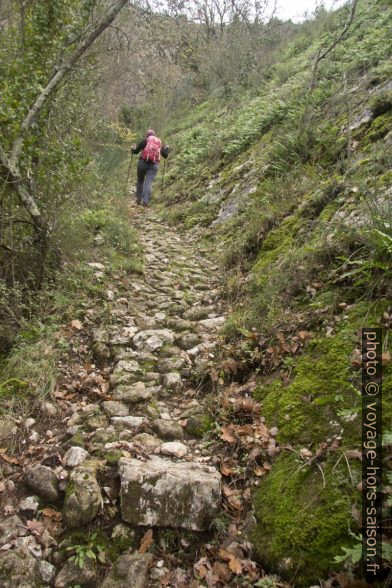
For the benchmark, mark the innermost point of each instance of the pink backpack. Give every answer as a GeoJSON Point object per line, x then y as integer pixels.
{"type": "Point", "coordinates": [152, 151]}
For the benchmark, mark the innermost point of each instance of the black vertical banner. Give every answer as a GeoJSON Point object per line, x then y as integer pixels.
{"type": "Point", "coordinates": [371, 453]}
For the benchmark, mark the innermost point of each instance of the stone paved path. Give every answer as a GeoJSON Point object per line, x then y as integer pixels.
{"type": "Point", "coordinates": [149, 427]}
{"type": "Point", "coordinates": [170, 327]}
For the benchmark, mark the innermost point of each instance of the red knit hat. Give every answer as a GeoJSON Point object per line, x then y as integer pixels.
{"type": "Point", "coordinates": [150, 132]}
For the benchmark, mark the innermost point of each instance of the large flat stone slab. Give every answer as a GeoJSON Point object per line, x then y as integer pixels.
{"type": "Point", "coordinates": [162, 493]}
{"type": "Point", "coordinates": [152, 340]}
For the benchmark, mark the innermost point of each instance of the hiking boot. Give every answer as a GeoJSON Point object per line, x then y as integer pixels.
{"type": "Point", "coordinates": [138, 201]}
{"type": "Point", "coordinates": [146, 205]}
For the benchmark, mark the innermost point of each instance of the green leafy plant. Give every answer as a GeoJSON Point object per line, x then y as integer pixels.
{"type": "Point", "coordinates": [92, 549]}
{"type": "Point", "coordinates": [352, 555]}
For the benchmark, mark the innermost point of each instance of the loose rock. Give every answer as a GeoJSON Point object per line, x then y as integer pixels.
{"type": "Point", "coordinates": [10, 529]}
{"type": "Point", "coordinates": [149, 442]}
{"type": "Point", "coordinates": [161, 493]}
{"type": "Point", "coordinates": [129, 571]}
{"type": "Point", "coordinates": [133, 394]}
{"type": "Point", "coordinates": [197, 313]}
{"type": "Point", "coordinates": [75, 456]}
{"type": "Point", "coordinates": [115, 408]}
{"type": "Point", "coordinates": [125, 372]}
{"type": "Point", "coordinates": [172, 381]}
{"type": "Point", "coordinates": [152, 340]}
{"type": "Point", "coordinates": [71, 574]}
{"type": "Point", "coordinates": [212, 324]}
{"type": "Point", "coordinates": [174, 449]}
{"type": "Point", "coordinates": [29, 504]}
{"type": "Point", "coordinates": [49, 409]}
{"type": "Point", "coordinates": [168, 429]}
{"type": "Point", "coordinates": [82, 498]}
{"type": "Point", "coordinates": [43, 481]}
{"type": "Point", "coordinates": [131, 422]}
{"type": "Point", "coordinates": [188, 340]}
{"type": "Point", "coordinates": [19, 568]}
{"type": "Point", "coordinates": [46, 571]}
{"type": "Point", "coordinates": [170, 364]}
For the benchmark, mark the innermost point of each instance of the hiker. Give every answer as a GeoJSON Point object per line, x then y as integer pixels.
{"type": "Point", "coordinates": [150, 150]}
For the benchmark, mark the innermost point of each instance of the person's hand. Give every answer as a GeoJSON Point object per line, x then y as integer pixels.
{"type": "Point", "coordinates": [133, 147]}
{"type": "Point", "coordinates": [167, 146]}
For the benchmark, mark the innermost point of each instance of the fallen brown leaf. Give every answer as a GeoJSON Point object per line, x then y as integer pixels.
{"type": "Point", "coordinates": [146, 541]}
{"type": "Point", "coordinates": [227, 435]}
{"type": "Point", "coordinates": [36, 527]}
{"type": "Point", "coordinates": [227, 470]}
{"type": "Point", "coordinates": [221, 571]}
{"type": "Point", "coordinates": [259, 471]}
{"type": "Point", "coordinates": [7, 458]}
{"type": "Point", "coordinates": [235, 502]}
{"type": "Point", "coordinates": [52, 513]}
{"type": "Point", "coordinates": [303, 335]}
{"type": "Point", "coordinates": [234, 563]}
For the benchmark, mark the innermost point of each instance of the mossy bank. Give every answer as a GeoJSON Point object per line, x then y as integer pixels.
{"type": "Point", "coordinates": [293, 187]}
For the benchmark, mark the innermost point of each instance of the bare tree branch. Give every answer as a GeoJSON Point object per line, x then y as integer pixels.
{"type": "Point", "coordinates": [83, 45]}
{"type": "Point", "coordinates": [11, 163]}
{"type": "Point", "coordinates": [323, 54]}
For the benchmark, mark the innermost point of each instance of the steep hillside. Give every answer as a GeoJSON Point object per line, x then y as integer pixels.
{"type": "Point", "coordinates": [293, 185]}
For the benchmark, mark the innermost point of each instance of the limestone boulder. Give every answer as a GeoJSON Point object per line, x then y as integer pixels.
{"type": "Point", "coordinates": [188, 340]}
{"type": "Point", "coordinates": [115, 408]}
{"type": "Point", "coordinates": [11, 528]}
{"type": "Point", "coordinates": [212, 324]}
{"type": "Point", "coordinates": [129, 571]}
{"type": "Point", "coordinates": [197, 313]}
{"type": "Point", "coordinates": [125, 372]}
{"type": "Point", "coordinates": [170, 364]}
{"type": "Point", "coordinates": [152, 340]}
{"type": "Point", "coordinates": [169, 430]}
{"type": "Point", "coordinates": [72, 575]}
{"type": "Point", "coordinates": [82, 498]}
{"type": "Point", "coordinates": [135, 393]}
{"type": "Point", "coordinates": [174, 449]}
{"type": "Point", "coordinates": [172, 381]}
{"type": "Point", "coordinates": [75, 456]}
{"type": "Point", "coordinates": [128, 422]}
{"type": "Point", "coordinates": [19, 569]}
{"type": "Point", "coordinates": [44, 482]}
{"type": "Point", "coordinates": [162, 493]}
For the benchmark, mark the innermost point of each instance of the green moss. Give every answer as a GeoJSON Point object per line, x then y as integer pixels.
{"type": "Point", "coordinates": [78, 439]}
{"type": "Point", "coordinates": [199, 425]}
{"type": "Point", "coordinates": [302, 525]}
{"type": "Point", "coordinates": [70, 489]}
{"type": "Point", "coordinates": [379, 128]}
{"type": "Point", "coordinates": [117, 545]}
{"type": "Point", "coordinates": [322, 383]}
{"type": "Point", "coordinates": [114, 456]}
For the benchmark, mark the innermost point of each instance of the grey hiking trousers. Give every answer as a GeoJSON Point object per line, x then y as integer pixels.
{"type": "Point", "coordinates": [146, 173]}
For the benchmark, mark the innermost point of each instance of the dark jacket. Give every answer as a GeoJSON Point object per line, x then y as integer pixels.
{"type": "Point", "coordinates": [141, 145]}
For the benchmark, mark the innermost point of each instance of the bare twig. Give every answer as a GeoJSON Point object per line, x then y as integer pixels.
{"type": "Point", "coordinates": [11, 163]}
{"type": "Point", "coordinates": [323, 54]}
{"type": "Point", "coordinates": [54, 81]}
{"type": "Point", "coordinates": [349, 469]}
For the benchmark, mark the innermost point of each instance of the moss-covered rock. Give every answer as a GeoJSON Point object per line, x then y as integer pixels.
{"type": "Point", "coordinates": [19, 568]}
{"type": "Point", "coordinates": [199, 424]}
{"type": "Point", "coordinates": [305, 410]}
{"type": "Point", "coordinates": [82, 497]}
{"type": "Point", "coordinates": [302, 524]}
